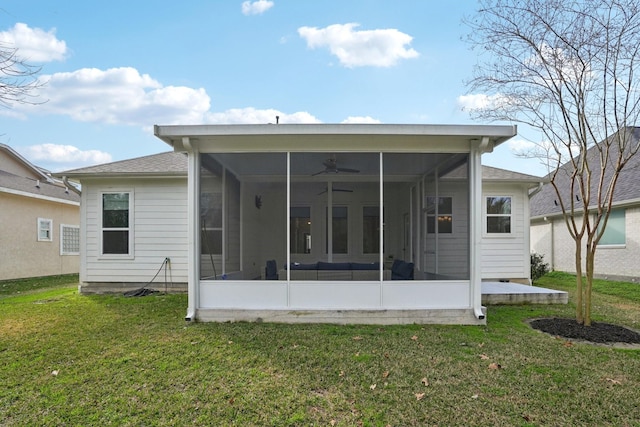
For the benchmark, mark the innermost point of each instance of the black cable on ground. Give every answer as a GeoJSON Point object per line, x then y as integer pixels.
{"type": "Point", "coordinates": [144, 291]}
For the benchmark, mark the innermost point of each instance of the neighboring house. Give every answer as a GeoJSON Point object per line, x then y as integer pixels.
{"type": "Point", "coordinates": [282, 222]}
{"type": "Point", "coordinates": [619, 249]}
{"type": "Point", "coordinates": [39, 221]}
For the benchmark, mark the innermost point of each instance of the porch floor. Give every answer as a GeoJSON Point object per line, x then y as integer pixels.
{"type": "Point", "coordinates": [516, 293]}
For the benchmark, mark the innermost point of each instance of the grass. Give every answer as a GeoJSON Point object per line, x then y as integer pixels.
{"type": "Point", "coordinates": [67, 359]}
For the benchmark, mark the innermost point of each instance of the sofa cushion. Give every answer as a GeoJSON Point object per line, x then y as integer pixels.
{"type": "Point", "coordinates": [298, 266]}
{"type": "Point", "coordinates": [365, 266]}
{"type": "Point", "coordinates": [334, 265]}
{"type": "Point", "coordinates": [271, 270]}
{"type": "Point", "coordinates": [401, 270]}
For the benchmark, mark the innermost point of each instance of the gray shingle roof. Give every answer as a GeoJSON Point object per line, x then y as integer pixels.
{"type": "Point", "coordinates": [627, 186]}
{"type": "Point", "coordinates": [163, 164]}
{"type": "Point", "coordinates": [29, 185]}
{"type": "Point", "coordinates": [492, 174]}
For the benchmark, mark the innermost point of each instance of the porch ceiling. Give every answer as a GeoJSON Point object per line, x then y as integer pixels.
{"type": "Point", "coordinates": [310, 167]}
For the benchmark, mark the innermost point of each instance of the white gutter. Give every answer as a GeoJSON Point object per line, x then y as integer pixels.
{"type": "Point", "coordinates": [73, 188]}
{"type": "Point", "coordinates": [537, 190]}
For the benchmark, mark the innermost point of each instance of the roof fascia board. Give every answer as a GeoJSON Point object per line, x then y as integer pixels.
{"type": "Point", "coordinates": [38, 196]}
{"type": "Point", "coordinates": [332, 137]}
{"type": "Point", "coordinates": [106, 175]}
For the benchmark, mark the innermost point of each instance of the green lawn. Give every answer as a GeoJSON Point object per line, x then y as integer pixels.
{"type": "Point", "coordinates": [67, 359]}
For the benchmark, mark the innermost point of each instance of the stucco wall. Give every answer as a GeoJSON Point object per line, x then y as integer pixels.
{"type": "Point", "coordinates": [21, 254]}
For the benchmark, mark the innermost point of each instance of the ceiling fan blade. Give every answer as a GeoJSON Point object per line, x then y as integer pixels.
{"type": "Point", "coordinates": [338, 190]}
{"type": "Point", "coordinates": [347, 170]}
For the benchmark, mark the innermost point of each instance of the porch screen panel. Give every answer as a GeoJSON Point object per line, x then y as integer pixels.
{"type": "Point", "coordinates": [328, 226]}
{"type": "Point", "coordinates": [426, 199]}
{"type": "Point", "coordinates": [246, 216]}
{"type": "Point", "coordinates": [445, 210]}
{"type": "Point", "coordinates": [211, 216]}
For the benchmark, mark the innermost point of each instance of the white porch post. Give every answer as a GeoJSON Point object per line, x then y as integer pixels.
{"type": "Point", "coordinates": [193, 221]}
{"type": "Point", "coordinates": [475, 223]}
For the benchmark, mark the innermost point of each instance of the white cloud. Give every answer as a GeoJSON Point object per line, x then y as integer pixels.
{"type": "Point", "coordinates": [64, 155]}
{"type": "Point", "coordinates": [360, 119]}
{"type": "Point", "coordinates": [257, 7]}
{"type": "Point", "coordinates": [521, 145]}
{"type": "Point", "coordinates": [377, 48]}
{"type": "Point", "coordinates": [118, 96]}
{"type": "Point", "coordinates": [480, 101]}
{"type": "Point", "coordinates": [250, 115]}
{"type": "Point", "coordinates": [34, 44]}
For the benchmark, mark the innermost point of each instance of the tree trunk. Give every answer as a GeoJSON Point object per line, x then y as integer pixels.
{"type": "Point", "coordinates": [579, 284]}
{"type": "Point", "coordinates": [589, 284]}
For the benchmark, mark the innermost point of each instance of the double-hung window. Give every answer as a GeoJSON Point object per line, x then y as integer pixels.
{"type": "Point", "coordinates": [439, 215]}
{"type": "Point", "coordinates": [116, 226]}
{"type": "Point", "coordinates": [498, 214]}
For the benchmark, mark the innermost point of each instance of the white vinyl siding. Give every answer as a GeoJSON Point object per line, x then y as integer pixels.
{"type": "Point", "coordinates": [506, 255]}
{"type": "Point", "coordinates": [160, 225]}
{"type": "Point", "coordinates": [452, 259]}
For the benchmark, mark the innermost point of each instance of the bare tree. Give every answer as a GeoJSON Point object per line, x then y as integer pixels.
{"type": "Point", "coordinates": [18, 79]}
{"type": "Point", "coordinates": [567, 68]}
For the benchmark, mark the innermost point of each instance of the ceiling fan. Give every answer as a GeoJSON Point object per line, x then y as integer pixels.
{"type": "Point", "coordinates": [331, 166]}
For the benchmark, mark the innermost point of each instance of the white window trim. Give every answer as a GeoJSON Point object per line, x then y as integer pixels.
{"type": "Point", "coordinates": [62, 227]}
{"type": "Point", "coordinates": [130, 255]}
{"type": "Point", "coordinates": [39, 228]}
{"type": "Point", "coordinates": [485, 215]}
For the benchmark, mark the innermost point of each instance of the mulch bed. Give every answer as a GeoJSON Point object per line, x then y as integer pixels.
{"type": "Point", "coordinates": [601, 333]}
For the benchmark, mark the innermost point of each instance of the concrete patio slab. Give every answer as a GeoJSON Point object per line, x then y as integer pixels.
{"type": "Point", "coordinates": [516, 293]}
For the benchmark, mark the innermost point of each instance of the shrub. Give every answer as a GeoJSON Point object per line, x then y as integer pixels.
{"type": "Point", "coordinates": [538, 267]}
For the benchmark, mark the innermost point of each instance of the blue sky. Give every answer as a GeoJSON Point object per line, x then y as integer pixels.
{"type": "Point", "coordinates": [114, 69]}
